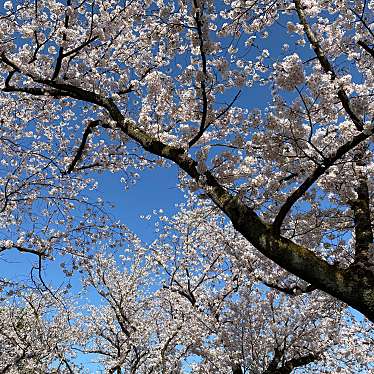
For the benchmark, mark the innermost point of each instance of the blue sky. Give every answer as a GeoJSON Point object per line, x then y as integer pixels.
{"type": "Point", "coordinates": [156, 189]}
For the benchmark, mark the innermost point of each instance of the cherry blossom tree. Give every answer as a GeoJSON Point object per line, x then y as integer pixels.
{"type": "Point", "coordinates": [197, 299]}
{"type": "Point", "coordinates": [184, 304]}
{"type": "Point", "coordinates": [36, 334]}
{"type": "Point", "coordinates": [91, 86]}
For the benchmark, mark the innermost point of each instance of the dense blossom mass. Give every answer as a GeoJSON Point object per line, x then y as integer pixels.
{"type": "Point", "coordinates": [266, 108]}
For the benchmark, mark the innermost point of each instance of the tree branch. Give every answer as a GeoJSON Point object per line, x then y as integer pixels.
{"type": "Point", "coordinates": [326, 66]}
{"type": "Point", "coordinates": [288, 367]}
{"type": "Point", "coordinates": [199, 25]}
{"type": "Point", "coordinates": [82, 145]}
{"type": "Point", "coordinates": [24, 250]}
{"type": "Point", "coordinates": [366, 47]}
{"type": "Point", "coordinates": [362, 221]}
{"type": "Point", "coordinates": [292, 291]}
{"type": "Point", "coordinates": [236, 369]}
{"type": "Point", "coordinates": [272, 367]}
{"type": "Point", "coordinates": [60, 56]}
{"type": "Point", "coordinates": [318, 171]}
